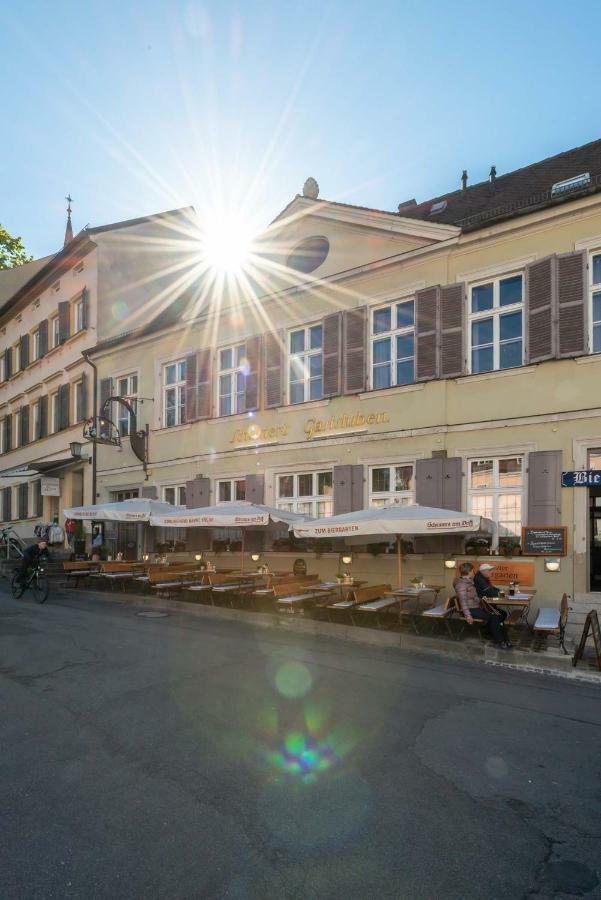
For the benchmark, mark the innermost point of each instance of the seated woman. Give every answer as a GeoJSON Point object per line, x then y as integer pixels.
{"type": "Point", "coordinates": [475, 607]}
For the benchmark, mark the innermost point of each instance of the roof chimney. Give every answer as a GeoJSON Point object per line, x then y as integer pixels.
{"type": "Point", "coordinates": [69, 228]}
{"type": "Point", "coordinates": [464, 180]}
{"type": "Point", "coordinates": [493, 175]}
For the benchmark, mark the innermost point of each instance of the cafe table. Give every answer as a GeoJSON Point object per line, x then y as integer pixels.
{"type": "Point", "coordinates": [416, 593]}
{"type": "Point", "coordinates": [518, 601]}
{"type": "Point", "coordinates": [343, 588]}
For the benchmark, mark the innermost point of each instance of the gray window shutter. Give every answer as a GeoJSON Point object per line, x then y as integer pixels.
{"type": "Point", "coordinates": [38, 500]}
{"type": "Point", "coordinates": [428, 482]}
{"type": "Point", "coordinates": [8, 432]}
{"type": "Point", "coordinates": [24, 437]}
{"type": "Point", "coordinates": [251, 384]}
{"type": "Point", "coordinates": [64, 324]}
{"type": "Point", "coordinates": [355, 350]}
{"type": "Point", "coordinates": [204, 392]}
{"type": "Point", "coordinates": [348, 488]}
{"type": "Point", "coordinates": [539, 309]}
{"type": "Point", "coordinates": [149, 492]}
{"type": "Point", "coordinates": [7, 513]}
{"type": "Point", "coordinates": [438, 484]}
{"type": "Point", "coordinates": [572, 300]}
{"type": "Point", "coordinates": [43, 416]}
{"type": "Point", "coordinates": [8, 362]}
{"type": "Point", "coordinates": [85, 303]}
{"type": "Point", "coordinates": [198, 493]}
{"type": "Point", "coordinates": [273, 368]}
{"type": "Point", "coordinates": [332, 336]}
{"type": "Point", "coordinates": [43, 337]}
{"type": "Point", "coordinates": [22, 498]}
{"type": "Point", "coordinates": [82, 410]}
{"type": "Point", "coordinates": [452, 354]}
{"type": "Point", "coordinates": [191, 388]}
{"type": "Point", "coordinates": [63, 406]}
{"type": "Point", "coordinates": [24, 354]}
{"type": "Point", "coordinates": [255, 488]}
{"type": "Point", "coordinates": [426, 333]}
{"type": "Point", "coordinates": [544, 487]}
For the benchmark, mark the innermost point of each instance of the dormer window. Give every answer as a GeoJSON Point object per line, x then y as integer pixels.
{"type": "Point", "coordinates": [571, 184]}
{"type": "Point", "coordinates": [309, 254]}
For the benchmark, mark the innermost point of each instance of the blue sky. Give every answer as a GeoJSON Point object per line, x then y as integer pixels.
{"type": "Point", "coordinates": [139, 107]}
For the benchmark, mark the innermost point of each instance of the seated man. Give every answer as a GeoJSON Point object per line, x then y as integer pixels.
{"type": "Point", "coordinates": [482, 582]}
{"type": "Point", "coordinates": [473, 606]}
{"type": "Point", "coordinates": [31, 556]}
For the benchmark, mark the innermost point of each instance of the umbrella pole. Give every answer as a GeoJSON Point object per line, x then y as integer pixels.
{"type": "Point", "coordinates": [399, 564]}
{"type": "Point", "coordinates": [242, 551]}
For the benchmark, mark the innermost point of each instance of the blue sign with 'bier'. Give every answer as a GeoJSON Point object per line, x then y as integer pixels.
{"type": "Point", "coordinates": [581, 478]}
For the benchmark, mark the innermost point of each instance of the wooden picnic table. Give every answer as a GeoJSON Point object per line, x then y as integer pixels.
{"type": "Point", "coordinates": [343, 589]}
{"type": "Point", "coordinates": [518, 602]}
{"type": "Point", "coordinates": [416, 593]}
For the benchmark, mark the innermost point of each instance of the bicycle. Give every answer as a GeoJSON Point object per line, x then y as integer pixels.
{"type": "Point", "coordinates": [10, 541]}
{"type": "Point", "coordinates": [36, 579]}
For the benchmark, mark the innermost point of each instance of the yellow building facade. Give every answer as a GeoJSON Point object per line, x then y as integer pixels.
{"type": "Point", "coordinates": [446, 354]}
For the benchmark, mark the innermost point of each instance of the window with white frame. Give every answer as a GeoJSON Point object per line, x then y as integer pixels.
{"type": "Point", "coordinates": [393, 344]}
{"type": "Point", "coordinates": [17, 427]}
{"type": "Point", "coordinates": [35, 345]}
{"type": "Point", "coordinates": [496, 324]}
{"type": "Point", "coordinates": [78, 401]}
{"type": "Point", "coordinates": [2, 368]}
{"type": "Point", "coordinates": [310, 493]}
{"type": "Point", "coordinates": [35, 420]}
{"type": "Point", "coordinates": [231, 381]}
{"type": "Point", "coordinates": [79, 314]}
{"type": "Point", "coordinates": [305, 364]}
{"type": "Point", "coordinates": [174, 393]}
{"type": "Point", "coordinates": [496, 491]}
{"type": "Point", "coordinates": [127, 387]}
{"type": "Point", "coordinates": [16, 358]}
{"type": "Point", "coordinates": [55, 412]}
{"type": "Point", "coordinates": [595, 303]}
{"type": "Point", "coordinates": [56, 331]}
{"type": "Point", "coordinates": [2, 444]}
{"type": "Point", "coordinates": [391, 484]}
{"type": "Point", "coordinates": [229, 489]}
{"type": "Point", "coordinates": [175, 494]}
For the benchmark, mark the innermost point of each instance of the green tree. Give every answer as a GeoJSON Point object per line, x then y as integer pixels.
{"type": "Point", "coordinates": [12, 251]}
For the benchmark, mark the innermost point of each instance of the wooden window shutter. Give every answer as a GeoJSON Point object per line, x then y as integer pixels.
{"type": "Point", "coordinates": [544, 487]}
{"type": "Point", "coordinates": [539, 309]}
{"type": "Point", "coordinates": [150, 492]}
{"type": "Point", "coordinates": [43, 416]}
{"type": "Point", "coordinates": [251, 384]}
{"type": "Point", "coordinates": [22, 498]}
{"type": "Point", "coordinates": [7, 512]}
{"type": "Point", "coordinates": [438, 483]}
{"type": "Point", "coordinates": [24, 354]}
{"type": "Point", "coordinates": [428, 482]}
{"type": "Point", "coordinates": [204, 382]}
{"type": "Point", "coordinates": [8, 432]}
{"type": "Point", "coordinates": [274, 364]}
{"type": "Point", "coordinates": [255, 488]}
{"type": "Point", "coordinates": [355, 350]}
{"type": "Point", "coordinates": [8, 362]}
{"type": "Point", "coordinates": [63, 406]}
{"type": "Point", "coordinates": [85, 308]}
{"type": "Point", "coordinates": [427, 303]}
{"type": "Point", "coordinates": [348, 488]}
{"type": "Point", "coordinates": [332, 337]}
{"type": "Point", "coordinates": [64, 321]}
{"type": "Point", "coordinates": [24, 436]}
{"type": "Point", "coordinates": [43, 329]}
{"type": "Point", "coordinates": [198, 493]}
{"type": "Point", "coordinates": [38, 500]}
{"type": "Point", "coordinates": [572, 302]}
{"type": "Point", "coordinates": [191, 388]}
{"type": "Point", "coordinates": [452, 307]}
{"type": "Point", "coordinates": [82, 411]}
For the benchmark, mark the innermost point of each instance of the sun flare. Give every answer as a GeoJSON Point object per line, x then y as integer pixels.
{"type": "Point", "coordinates": [227, 244]}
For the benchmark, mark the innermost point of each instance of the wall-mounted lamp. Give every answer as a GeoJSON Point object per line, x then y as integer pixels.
{"type": "Point", "coordinates": [553, 565]}
{"type": "Point", "coordinates": [75, 447]}
{"type": "Point", "coordinates": [347, 558]}
{"type": "Point", "coordinates": [145, 557]}
{"type": "Point", "coordinates": [255, 557]}
{"type": "Point", "coordinates": [450, 563]}
{"type": "Point", "coordinates": [198, 557]}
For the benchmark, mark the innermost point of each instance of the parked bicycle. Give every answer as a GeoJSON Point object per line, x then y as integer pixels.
{"type": "Point", "coordinates": [11, 545]}
{"type": "Point", "coordinates": [36, 579]}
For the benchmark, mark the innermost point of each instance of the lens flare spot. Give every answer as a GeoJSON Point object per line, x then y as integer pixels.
{"type": "Point", "coordinates": [293, 680]}
{"type": "Point", "coordinates": [119, 310]}
{"type": "Point", "coordinates": [294, 743]}
{"type": "Point", "coordinates": [316, 718]}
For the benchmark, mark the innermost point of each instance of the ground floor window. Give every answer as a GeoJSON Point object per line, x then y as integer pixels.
{"type": "Point", "coordinates": [229, 489]}
{"type": "Point", "coordinates": [118, 496]}
{"type": "Point", "coordinates": [496, 491]}
{"type": "Point", "coordinates": [391, 484]}
{"type": "Point", "coordinates": [308, 493]}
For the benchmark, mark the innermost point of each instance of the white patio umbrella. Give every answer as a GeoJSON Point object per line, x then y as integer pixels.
{"type": "Point", "coordinates": [135, 510]}
{"type": "Point", "coordinates": [236, 514]}
{"type": "Point", "coordinates": [395, 519]}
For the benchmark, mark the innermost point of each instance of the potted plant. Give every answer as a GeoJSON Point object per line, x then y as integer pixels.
{"type": "Point", "coordinates": [510, 547]}
{"type": "Point", "coordinates": [479, 546]}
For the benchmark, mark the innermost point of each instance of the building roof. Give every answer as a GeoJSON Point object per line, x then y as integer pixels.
{"type": "Point", "coordinates": [12, 280]}
{"type": "Point", "coordinates": [515, 193]}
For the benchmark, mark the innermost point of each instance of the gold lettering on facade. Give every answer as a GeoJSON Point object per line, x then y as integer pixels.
{"type": "Point", "coordinates": [345, 422]}
{"type": "Point", "coordinates": [255, 434]}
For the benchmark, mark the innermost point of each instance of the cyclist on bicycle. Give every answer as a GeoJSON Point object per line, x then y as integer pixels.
{"type": "Point", "coordinates": [31, 557]}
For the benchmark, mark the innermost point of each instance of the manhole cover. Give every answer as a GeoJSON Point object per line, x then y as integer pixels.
{"type": "Point", "coordinates": [152, 615]}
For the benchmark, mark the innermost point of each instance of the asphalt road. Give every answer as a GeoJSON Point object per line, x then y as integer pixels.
{"type": "Point", "coordinates": [182, 758]}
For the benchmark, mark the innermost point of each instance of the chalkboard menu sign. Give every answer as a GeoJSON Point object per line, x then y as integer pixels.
{"type": "Point", "coordinates": [591, 624]}
{"type": "Point", "coordinates": [544, 541]}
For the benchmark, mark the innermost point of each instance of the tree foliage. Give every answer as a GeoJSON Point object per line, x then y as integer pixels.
{"type": "Point", "coordinates": [12, 250]}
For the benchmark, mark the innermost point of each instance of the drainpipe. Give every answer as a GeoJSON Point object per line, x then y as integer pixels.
{"type": "Point", "coordinates": [85, 354]}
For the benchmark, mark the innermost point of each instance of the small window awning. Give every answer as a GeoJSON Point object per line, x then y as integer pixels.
{"type": "Point", "coordinates": [31, 470]}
